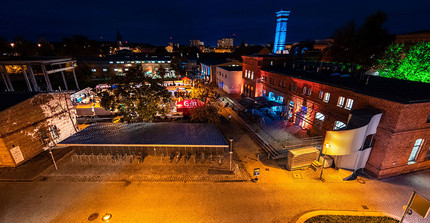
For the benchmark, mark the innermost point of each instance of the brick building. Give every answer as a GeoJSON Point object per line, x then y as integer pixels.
{"type": "Point", "coordinates": [30, 123]}
{"type": "Point", "coordinates": [326, 101]}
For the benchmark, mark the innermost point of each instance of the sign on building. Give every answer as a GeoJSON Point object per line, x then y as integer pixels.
{"type": "Point", "coordinates": [17, 154]}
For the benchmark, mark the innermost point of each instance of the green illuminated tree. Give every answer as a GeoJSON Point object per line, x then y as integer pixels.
{"type": "Point", "coordinates": [135, 97]}
{"type": "Point", "coordinates": [411, 63]}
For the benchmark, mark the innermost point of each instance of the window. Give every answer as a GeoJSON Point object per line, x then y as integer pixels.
{"type": "Point", "coordinates": [226, 76]}
{"type": "Point", "coordinates": [428, 119]}
{"type": "Point", "coordinates": [415, 151]}
{"type": "Point", "coordinates": [271, 63]}
{"type": "Point", "coordinates": [252, 75]}
{"type": "Point", "coordinates": [319, 116]}
{"type": "Point", "coordinates": [264, 78]}
{"type": "Point", "coordinates": [304, 90]}
{"type": "Point", "coordinates": [341, 101]}
{"type": "Point", "coordinates": [54, 131]}
{"type": "Point", "coordinates": [104, 69]}
{"type": "Point", "coordinates": [295, 87]}
{"type": "Point", "coordinates": [126, 69]}
{"type": "Point", "coordinates": [349, 103]}
{"type": "Point", "coordinates": [320, 95]}
{"type": "Point", "coordinates": [309, 91]}
{"type": "Point", "coordinates": [93, 70]}
{"type": "Point", "coordinates": [110, 61]}
{"type": "Point", "coordinates": [339, 125]}
{"type": "Point", "coordinates": [326, 97]}
{"type": "Point", "coordinates": [115, 69]}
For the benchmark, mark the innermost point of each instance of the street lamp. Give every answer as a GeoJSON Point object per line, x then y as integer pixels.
{"type": "Point", "coordinates": [106, 217]}
{"type": "Point", "coordinates": [325, 157]}
{"type": "Point", "coordinates": [231, 150]}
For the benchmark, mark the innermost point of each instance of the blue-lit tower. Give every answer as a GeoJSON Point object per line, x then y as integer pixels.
{"type": "Point", "coordinates": [281, 30]}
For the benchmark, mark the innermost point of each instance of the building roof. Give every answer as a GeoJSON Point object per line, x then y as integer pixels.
{"type": "Point", "coordinates": [34, 60]}
{"type": "Point", "coordinates": [148, 134]}
{"type": "Point", "coordinates": [231, 68]}
{"type": "Point", "coordinates": [401, 91]}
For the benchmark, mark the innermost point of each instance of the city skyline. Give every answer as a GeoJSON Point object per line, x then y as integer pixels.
{"type": "Point", "coordinates": [180, 22]}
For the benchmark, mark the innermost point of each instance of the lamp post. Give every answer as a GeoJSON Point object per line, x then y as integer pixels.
{"type": "Point", "coordinates": [325, 157]}
{"type": "Point", "coordinates": [231, 150]}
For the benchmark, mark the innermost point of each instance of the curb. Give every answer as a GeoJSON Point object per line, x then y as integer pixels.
{"type": "Point", "coordinates": [311, 214]}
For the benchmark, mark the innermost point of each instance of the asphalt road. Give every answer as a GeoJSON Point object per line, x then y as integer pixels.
{"type": "Point", "coordinates": [192, 202]}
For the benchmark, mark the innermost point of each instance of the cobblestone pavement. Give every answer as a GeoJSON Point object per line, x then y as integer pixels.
{"type": "Point", "coordinates": [152, 169]}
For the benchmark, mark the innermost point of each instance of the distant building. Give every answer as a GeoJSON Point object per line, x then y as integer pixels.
{"type": "Point", "coordinates": [225, 43]}
{"type": "Point", "coordinates": [281, 31]}
{"type": "Point", "coordinates": [423, 36]}
{"type": "Point", "coordinates": [321, 44]}
{"type": "Point", "coordinates": [37, 74]}
{"type": "Point", "coordinates": [117, 65]}
{"type": "Point", "coordinates": [31, 123]}
{"type": "Point", "coordinates": [196, 43]}
{"type": "Point", "coordinates": [209, 64]}
{"type": "Point", "coordinates": [229, 78]}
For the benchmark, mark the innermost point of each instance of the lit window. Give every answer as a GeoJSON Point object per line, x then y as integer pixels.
{"type": "Point", "coordinates": [319, 116]}
{"type": "Point", "coordinates": [110, 61]}
{"type": "Point", "coordinates": [320, 95]}
{"type": "Point", "coordinates": [93, 70]}
{"type": "Point", "coordinates": [115, 69]}
{"type": "Point", "coordinates": [271, 63]}
{"type": "Point", "coordinates": [252, 75]}
{"type": "Point", "coordinates": [349, 103]}
{"type": "Point", "coordinates": [126, 69]}
{"type": "Point", "coordinates": [339, 125]}
{"type": "Point", "coordinates": [309, 91]}
{"type": "Point", "coordinates": [118, 62]}
{"type": "Point", "coordinates": [304, 90]}
{"type": "Point", "coordinates": [326, 97]}
{"type": "Point", "coordinates": [415, 150]}
{"type": "Point", "coordinates": [341, 101]}
{"type": "Point", "coordinates": [104, 69]}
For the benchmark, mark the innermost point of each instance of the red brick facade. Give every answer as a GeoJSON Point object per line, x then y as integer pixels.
{"type": "Point", "coordinates": [400, 126]}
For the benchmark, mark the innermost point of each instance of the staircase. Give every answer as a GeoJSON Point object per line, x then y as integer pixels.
{"type": "Point", "coordinates": [316, 165]}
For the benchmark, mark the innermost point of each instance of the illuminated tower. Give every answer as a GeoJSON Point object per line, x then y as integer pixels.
{"type": "Point", "coordinates": [281, 30]}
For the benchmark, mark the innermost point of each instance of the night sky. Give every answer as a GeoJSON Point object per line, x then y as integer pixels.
{"type": "Point", "coordinates": [155, 21]}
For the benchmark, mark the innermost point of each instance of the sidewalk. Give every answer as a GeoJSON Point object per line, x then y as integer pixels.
{"type": "Point", "coordinates": [31, 169]}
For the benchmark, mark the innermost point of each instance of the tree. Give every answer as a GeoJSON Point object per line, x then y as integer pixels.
{"type": "Point", "coordinates": [405, 63]}
{"type": "Point", "coordinates": [135, 97]}
{"type": "Point", "coordinates": [209, 111]}
{"type": "Point", "coordinates": [360, 46]}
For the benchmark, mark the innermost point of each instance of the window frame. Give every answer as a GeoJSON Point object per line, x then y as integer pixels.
{"type": "Point", "coordinates": [326, 97]}
{"type": "Point", "coordinates": [349, 103]}
{"type": "Point", "coordinates": [340, 101]}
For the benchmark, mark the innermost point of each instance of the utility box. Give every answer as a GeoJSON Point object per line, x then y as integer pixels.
{"type": "Point", "coordinates": [301, 157]}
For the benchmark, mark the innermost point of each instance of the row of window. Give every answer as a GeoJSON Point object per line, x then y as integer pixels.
{"type": "Point", "coordinates": [141, 61]}
{"type": "Point", "coordinates": [115, 69]}
{"type": "Point", "coordinates": [325, 97]}
{"type": "Point", "coordinates": [221, 74]}
{"type": "Point", "coordinates": [249, 74]}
